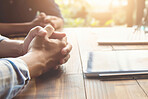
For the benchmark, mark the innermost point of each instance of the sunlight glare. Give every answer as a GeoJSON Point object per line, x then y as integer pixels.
{"type": "Point", "coordinates": [99, 2]}
{"type": "Point", "coordinates": [107, 2]}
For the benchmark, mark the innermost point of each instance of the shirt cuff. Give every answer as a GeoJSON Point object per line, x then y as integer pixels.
{"type": "Point", "coordinates": [21, 68]}
{"type": "Point", "coordinates": [2, 38]}
{"type": "Point", "coordinates": [22, 76]}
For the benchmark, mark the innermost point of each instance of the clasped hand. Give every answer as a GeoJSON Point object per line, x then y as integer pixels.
{"type": "Point", "coordinates": [48, 48]}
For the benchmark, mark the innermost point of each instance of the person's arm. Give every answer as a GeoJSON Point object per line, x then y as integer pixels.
{"type": "Point", "coordinates": [10, 28]}
{"type": "Point", "coordinates": [46, 51]}
{"type": "Point", "coordinates": [10, 48]}
{"type": "Point", "coordinates": [14, 75]}
{"type": "Point", "coordinates": [13, 28]}
{"type": "Point", "coordinates": [15, 48]}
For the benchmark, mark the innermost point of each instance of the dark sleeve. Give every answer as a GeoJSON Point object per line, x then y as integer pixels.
{"type": "Point", "coordinates": [49, 7]}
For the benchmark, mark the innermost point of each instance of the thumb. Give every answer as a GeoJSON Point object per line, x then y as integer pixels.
{"type": "Point", "coordinates": [37, 31]}
{"type": "Point", "coordinates": [49, 30]}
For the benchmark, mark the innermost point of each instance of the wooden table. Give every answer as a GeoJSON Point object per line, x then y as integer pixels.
{"type": "Point", "coordinates": [70, 83]}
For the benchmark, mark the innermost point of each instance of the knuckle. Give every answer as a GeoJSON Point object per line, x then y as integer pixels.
{"type": "Point", "coordinates": [37, 28]}
{"type": "Point", "coordinates": [49, 28]}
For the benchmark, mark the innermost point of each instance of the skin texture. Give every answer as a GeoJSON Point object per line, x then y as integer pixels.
{"type": "Point", "coordinates": [49, 52]}
{"type": "Point", "coordinates": [41, 20]}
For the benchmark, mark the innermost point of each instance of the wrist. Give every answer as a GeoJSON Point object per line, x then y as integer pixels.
{"type": "Point", "coordinates": [35, 64]}
{"type": "Point", "coordinates": [20, 49]}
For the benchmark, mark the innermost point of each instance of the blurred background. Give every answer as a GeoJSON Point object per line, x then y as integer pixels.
{"type": "Point", "coordinates": [102, 13]}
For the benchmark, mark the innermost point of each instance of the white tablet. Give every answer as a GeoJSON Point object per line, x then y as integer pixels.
{"type": "Point", "coordinates": [117, 64]}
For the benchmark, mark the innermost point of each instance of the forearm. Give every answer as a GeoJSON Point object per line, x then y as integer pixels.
{"type": "Point", "coordinates": [10, 48]}
{"type": "Point", "coordinates": [35, 64]}
{"type": "Point", "coordinates": [10, 28]}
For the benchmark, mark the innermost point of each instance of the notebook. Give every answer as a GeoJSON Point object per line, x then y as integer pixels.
{"type": "Point", "coordinates": [131, 64]}
{"type": "Point", "coordinates": [122, 36]}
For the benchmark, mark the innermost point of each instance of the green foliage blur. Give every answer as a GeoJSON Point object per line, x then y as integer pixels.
{"type": "Point", "coordinates": [79, 13]}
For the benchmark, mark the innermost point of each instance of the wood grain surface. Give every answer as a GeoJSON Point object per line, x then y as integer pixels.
{"type": "Point", "coordinates": [69, 82]}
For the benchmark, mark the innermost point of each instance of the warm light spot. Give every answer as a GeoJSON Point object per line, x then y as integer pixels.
{"type": "Point", "coordinates": [99, 2]}
{"type": "Point", "coordinates": [107, 3]}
